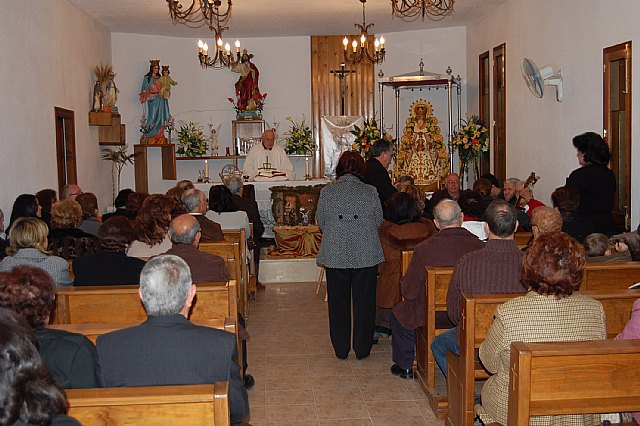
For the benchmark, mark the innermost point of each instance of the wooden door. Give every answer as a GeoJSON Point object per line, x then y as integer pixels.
{"type": "Point", "coordinates": [500, 112]}
{"type": "Point", "coordinates": [65, 147]}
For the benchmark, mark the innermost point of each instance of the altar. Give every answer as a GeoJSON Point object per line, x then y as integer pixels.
{"type": "Point", "coordinates": [263, 197]}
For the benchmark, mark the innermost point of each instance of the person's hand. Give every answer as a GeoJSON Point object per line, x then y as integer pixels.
{"type": "Point", "coordinates": [621, 247]}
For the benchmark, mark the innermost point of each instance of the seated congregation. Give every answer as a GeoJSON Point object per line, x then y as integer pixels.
{"type": "Point", "coordinates": [485, 284]}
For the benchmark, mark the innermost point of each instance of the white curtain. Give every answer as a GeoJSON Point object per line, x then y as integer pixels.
{"type": "Point", "coordinates": [336, 138]}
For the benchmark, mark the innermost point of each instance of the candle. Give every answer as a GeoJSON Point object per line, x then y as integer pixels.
{"type": "Point", "coordinates": [206, 168]}
{"type": "Point", "coordinates": [238, 46]}
{"type": "Point", "coordinates": [306, 167]}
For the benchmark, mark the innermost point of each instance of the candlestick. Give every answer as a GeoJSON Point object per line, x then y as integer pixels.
{"type": "Point", "coordinates": [206, 168]}
{"type": "Point", "coordinates": [306, 168]}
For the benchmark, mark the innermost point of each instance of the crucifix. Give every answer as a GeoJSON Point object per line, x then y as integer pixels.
{"type": "Point", "coordinates": [342, 73]}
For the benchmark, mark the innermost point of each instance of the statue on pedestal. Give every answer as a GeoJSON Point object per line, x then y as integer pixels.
{"type": "Point", "coordinates": [422, 153]}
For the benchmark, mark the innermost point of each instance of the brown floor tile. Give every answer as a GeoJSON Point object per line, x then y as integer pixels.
{"type": "Point", "coordinates": [292, 414]}
{"type": "Point", "coordinates": [289, 397]}
{"type": "Point", "coordinates": [393, 408]}
{"type": "Point", "coordinates": [395, 421]}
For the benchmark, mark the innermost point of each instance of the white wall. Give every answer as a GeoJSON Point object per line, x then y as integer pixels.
{"type": "Point", "coordinates": [201, 95]}
{"type": "Point", "coordinates": [568, 35]}
{"type": "Point", "coordinates": [49, 50]}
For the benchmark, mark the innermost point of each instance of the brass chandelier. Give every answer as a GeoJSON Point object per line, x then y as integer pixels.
{"type": "Point", "coordinates": [199, 13]}
{"type": "Point", "coordinates": [363, 53]}
{"type": "Point", "coordinates": [207, 12]}
{"type": "Point", "coordinates": [410, 10]}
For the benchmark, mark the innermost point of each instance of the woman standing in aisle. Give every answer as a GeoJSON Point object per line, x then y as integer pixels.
{"type": "Point", "coordinates": [349, 214]}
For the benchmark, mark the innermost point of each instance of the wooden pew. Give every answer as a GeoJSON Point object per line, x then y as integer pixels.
{"type": "Point", "coordinates": [102, 304]}
{"type": "Point", "coordinates": [476, 319]}
{"type": "Point", "coordinates": [152, 405]}
{"type": "Point", "coordinates": [522, 238]}
{"type": "Point", "coordinates": [230, 252]}
{"type": "Point", "coordinates": [610, 276]}
{"type": "Point", "coordinates": [239, 235]}
{"type": "Point", "coordinates": [573, 378]}
{"type": "Point", "coordinates": [437, 285]}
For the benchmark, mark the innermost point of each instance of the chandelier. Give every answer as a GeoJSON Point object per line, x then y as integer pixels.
{"type": "Point", "coordinates": [410, 10]}
{"type": "Point", "coordinates": [364, 53]}
{"type": "Point", "coordinates": [221, 58]}
{"type": "Point", "coordinates": [199, 13]}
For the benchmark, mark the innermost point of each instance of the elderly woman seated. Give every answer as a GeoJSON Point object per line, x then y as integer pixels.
{"type": "Point", "coordinates": [552, 268]}
{"type": "Point", "coordinates": [110, 266]}
{"type": "Point", "coordinates": [28, 246]}
{"type": "Point", "coordinates": [71, 358]}
{"type": "Point", "coordinates": [66, 239]}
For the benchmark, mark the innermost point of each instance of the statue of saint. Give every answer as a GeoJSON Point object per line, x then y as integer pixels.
{"type": "Point", "coordinates": [247, 91]}
{"type": "Point", "coordinates": [422, 153]}
{"type": "Point", "coordinates": [156, 107]}
{"type": "Point", "coordinates": [111, 93]}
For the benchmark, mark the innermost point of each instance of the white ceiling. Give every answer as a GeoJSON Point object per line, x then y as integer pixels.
{"type": "Point", "coordinates": [273, 18]}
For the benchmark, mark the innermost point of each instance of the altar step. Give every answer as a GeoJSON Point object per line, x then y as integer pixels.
{"type": "Point", "coordinates": [288, 270]}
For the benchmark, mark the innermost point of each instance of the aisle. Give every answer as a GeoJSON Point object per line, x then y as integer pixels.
{"type": "Point", "coordinates": [300, 381]}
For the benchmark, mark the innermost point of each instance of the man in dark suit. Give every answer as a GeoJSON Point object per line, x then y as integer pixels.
{"type": "Point", "coordinates": [377, 165]}
{"type": "Point", "coordinates": [195, 202]}
{"type": "Point", "coordinates": [184, 232]}
{"type": "Point", "coordinates": [249, 206]}
{"type": "Point", "coordinates": [167, 349]}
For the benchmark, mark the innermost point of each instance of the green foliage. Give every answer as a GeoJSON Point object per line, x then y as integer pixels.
{"type": "Point", "coordinates": [191, 140]}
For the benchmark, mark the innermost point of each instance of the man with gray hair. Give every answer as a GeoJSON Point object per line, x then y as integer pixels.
{"type": "Point", "coordinates": [70, 192]}
{"type": "Point", "coordinates": [195, 201]}
{"type": "Point", "coordinates": [510, 190]}
{"type": "Point", "coordinates": [376, 173]}
{"type": "Point", "coordinates": [442, 249]}
{"type": "Point", "coordinates": [167, 349]}
{"type": "Point", "coordinates": [185, 234]}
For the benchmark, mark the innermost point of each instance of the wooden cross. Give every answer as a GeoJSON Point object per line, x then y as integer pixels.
{"type": "Point", "coordinates": [341, 74]}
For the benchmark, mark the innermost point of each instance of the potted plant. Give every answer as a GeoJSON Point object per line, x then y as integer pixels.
{"type": "Point", "coordinates": [191, 140]}
{"type": "Point", "coordinates": [119, 158]}
{"type": "Point", "coordinates": [298, 137]}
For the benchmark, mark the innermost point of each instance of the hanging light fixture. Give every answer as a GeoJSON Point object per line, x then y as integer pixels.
{"type": "Point", "coordinates": [221, 58]}
{"type": "Point", "coordinates": [410, 10]}
{"type": "Point", "coordinates": [364, 53]}
{"type": "Point", "coordinates": [199, 13]}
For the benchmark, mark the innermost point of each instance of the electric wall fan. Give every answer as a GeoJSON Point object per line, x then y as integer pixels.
{"type": "Point", "coordinates": [536, 79]}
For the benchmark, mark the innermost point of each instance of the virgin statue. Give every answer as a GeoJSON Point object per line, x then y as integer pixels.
{"type": "Point", "coordinates": [422, 153]}
{"type": "Point", "coordinates": [247, 91]}
{"type": "Point", "coordinates": [155, 107]}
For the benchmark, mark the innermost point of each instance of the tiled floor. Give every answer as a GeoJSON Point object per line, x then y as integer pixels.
{"type": "Point", "coordinates": [299, 381]}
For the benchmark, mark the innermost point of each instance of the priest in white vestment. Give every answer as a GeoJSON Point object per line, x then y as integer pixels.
{"type": "Point", "coordinates": [268, 160]}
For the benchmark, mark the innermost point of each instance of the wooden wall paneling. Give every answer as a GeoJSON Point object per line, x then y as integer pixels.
{"type": "Point", "coordinates": [327, 55]}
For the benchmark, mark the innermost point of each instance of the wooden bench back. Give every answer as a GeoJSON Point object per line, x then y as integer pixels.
{"type": "Point", "coordinates": [573, 378]}
{"type": "Point", "coordinates": [152, 405]}
{"type": "Point", "coordinates": [437, 285]}
{"type": "Point", "coordinates": [610, 276]}
{"type": "Point", "coordinates": [121, 304]}
{"type": "Point", "coordinates": [230, 252]}
{"type": "Point", "coordinates": [241, 237]}
{"type": "Point", "coordinates": [476, 319]}
{"type": "Point", "coordinates": [522, 238]}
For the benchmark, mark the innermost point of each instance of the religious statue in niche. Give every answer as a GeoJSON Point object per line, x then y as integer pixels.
{"type": "Point", "coordinates": [154, 97]}
{"type": "Point", "coordinates": [249, 101]}
{"type": "Point", "coordinates": [422, 153]}
{"type": "Point", "coordinates": [110, 93]}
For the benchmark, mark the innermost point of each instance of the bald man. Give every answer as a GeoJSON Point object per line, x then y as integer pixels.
{"type": "Point", "coordinates": [70, 192]}
{"type": "Point", "coordinates": [268, 154]}
{"type": "Point", "coordinates": [185, 234]}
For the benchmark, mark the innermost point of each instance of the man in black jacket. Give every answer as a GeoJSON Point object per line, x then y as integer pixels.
{"type": "Point", "coordinates": [377, 174]}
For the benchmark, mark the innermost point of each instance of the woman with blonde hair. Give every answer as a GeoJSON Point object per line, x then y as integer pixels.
{"type": "Point", "coordinates": [28, 246]}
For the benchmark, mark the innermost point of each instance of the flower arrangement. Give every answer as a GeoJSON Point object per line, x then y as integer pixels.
{"type": "Point", "coordinates": [191, 140]}
{"type": "Point", "coordinates": [470, 141]}
{"type": "Point", "coordinates": [367, 136]}
{"type": "Point", "coordinates": [298, 137]}
{"type": "Point", "coordinates": [258, 100]}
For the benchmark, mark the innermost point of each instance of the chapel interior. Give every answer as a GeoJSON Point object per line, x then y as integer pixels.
{"type": "Point", "coordinates": [296, 45]}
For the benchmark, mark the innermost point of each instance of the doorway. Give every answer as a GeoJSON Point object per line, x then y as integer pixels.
{"type": "Point", "coordinates": [65, 147]}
